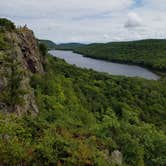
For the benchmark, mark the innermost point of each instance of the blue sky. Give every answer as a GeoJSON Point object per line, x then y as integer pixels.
{"type": "Point", "coordinates": [89, 20]}
{"type": "Point", "coordinates": [138, 3]}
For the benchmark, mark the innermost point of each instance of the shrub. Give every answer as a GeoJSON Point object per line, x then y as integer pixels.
{"type": "Point", "coordinates": [7, 24]}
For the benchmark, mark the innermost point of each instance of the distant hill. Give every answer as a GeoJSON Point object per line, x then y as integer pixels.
{"type": "Point", "coordinates": [63, 46]}
{"type": "Point", "coordinates": [69, 46]}
{"type": "Point", "coordinates": [150, 53]}
{"type": "Point", "coordinates": [50, 44]}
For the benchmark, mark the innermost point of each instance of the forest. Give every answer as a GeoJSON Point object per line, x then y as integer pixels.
{"type": "Point", "coordinates": [84, 117]}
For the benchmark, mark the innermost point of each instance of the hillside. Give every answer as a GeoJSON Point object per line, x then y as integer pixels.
{"type": "Point", "coordinates": [69, 46]}
{"type": "Point", "coordinates": [82, 117]}
{"type": "Point", "coordinates": [50, 44]}
{"type": "Point", "coordinates": [147, 53]}
{"type": "Point", "coordinates": [64, 46]}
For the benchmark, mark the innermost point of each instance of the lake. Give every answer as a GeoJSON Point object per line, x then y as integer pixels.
{"type": "Point", "coordinates": [104, 66]}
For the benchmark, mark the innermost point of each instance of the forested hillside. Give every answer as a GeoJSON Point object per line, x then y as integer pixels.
{"type": "Point", "coordinates": [148, 53]}
{"type": "Point", "coordinates": [50, 44]}
{"type": "Point", "coordinates": [68, 46]}
{"type": "Point", "coordinates": [64, 46]}
{"type": "Point", "coordinates": [84, 118]}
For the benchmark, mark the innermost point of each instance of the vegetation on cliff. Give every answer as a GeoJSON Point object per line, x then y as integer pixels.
{"type": "Point", "coordinates": [48, 43]}
{"type": "Point", "coordinates": [6, 24]}
{"type": "Point", "coordinates": [19, 59]}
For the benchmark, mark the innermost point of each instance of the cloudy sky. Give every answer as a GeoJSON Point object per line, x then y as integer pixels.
{"type": "Point", "coordinates": [89, 20]}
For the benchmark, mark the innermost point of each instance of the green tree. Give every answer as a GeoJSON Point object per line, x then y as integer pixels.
{"type": "Point", "coordinates": [7, 24]}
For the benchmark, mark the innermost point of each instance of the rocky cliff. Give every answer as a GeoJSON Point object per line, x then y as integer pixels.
{"type": "Point", "coordinates": [20, 58]}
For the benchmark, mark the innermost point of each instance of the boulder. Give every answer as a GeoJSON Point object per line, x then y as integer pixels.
{"type": "Point", "coordinates": [116, 157]}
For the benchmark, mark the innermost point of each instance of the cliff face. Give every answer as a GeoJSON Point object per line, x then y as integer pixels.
{"type": "Point", "coordinates": [29, 50]}
{"type": "Point", "coordinates": [19, 59]}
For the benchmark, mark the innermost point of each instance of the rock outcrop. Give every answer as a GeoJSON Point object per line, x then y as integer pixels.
{"type": "Point", "coordinates": [114, 158]}
{"type": "Point", "coordinates": [20, 58]}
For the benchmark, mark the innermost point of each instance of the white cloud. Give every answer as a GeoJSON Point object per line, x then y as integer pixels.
{"type": "Point", "coordinates": [133, 20]}
{"type": "Point", "coordinates": [47, 8]}
{"type": "Point", "coordinates": [106, 36]}
{"type": "Point", "coordinates": [88, 20]}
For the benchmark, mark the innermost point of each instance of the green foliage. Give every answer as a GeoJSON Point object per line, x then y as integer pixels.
{"type": "Point", "coordinates": [15, 92]}
{"type": "Point", "coordinates": [106, 111]}
{"type": "Point", "coordinates": [12, 94]}
{"type": "Point", "coordinates": [43, 49]}
{"type": "Point", "coordinates": [49, 44]}
{"type": "Point", "coordinates": [7, 24]}
{"type": "Point", "coordinates": [3, 43]}
{"type": "Point", "coordinates": [68, 46]}
{"type": "Point", "coordinates": [84, 116]}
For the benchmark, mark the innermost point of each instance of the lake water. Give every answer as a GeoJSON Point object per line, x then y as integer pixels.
{"type": "Point", "coordinates": [104, 66]}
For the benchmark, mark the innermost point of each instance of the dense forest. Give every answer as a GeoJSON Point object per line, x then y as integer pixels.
{"type": "Point", "coordinates": [149, 53]}
{"type": "Point", "coordinates": [85, 118]}
{"type": "Point", "coordinates": [69, 46]}
{"type": "Point", "coordinates": [99, 114]}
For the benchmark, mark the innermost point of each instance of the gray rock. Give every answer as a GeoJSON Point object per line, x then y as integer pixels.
{"type": "Point", "coordinates": [117, 157]}
{"type": "Point", "coordinates": [26, 52]}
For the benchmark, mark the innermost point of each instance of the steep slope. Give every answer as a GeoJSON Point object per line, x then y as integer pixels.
{"type": "Point", "coordinates": [19, 58]}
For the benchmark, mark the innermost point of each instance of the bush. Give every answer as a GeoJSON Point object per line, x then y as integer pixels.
{"type": "Point", "coordinates": [43, 49]}
{"type": "Point", "coordinates": [7, 24]}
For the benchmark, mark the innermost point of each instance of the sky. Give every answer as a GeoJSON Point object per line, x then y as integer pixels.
{"type": "Point", "coordinates": [89, 21]}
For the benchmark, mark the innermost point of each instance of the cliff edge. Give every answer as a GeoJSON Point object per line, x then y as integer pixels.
{"type": "Point", "coordinates": [20, 58]}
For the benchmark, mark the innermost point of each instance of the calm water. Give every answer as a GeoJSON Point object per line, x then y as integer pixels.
{"type": "Point", "coordinates": [104, 66]}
